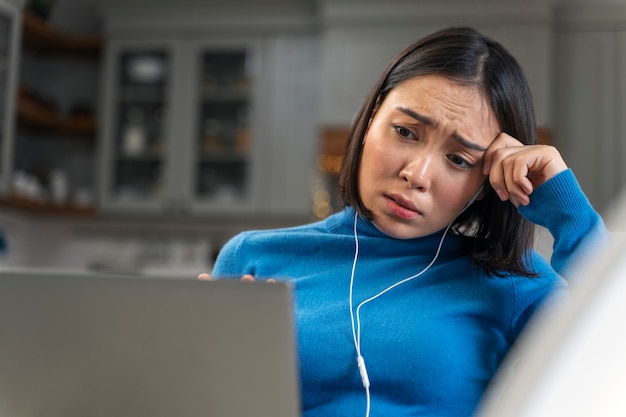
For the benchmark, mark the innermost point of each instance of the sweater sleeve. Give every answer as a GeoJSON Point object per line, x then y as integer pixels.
{"type": "Point", "coordinates": [560, 206]}
{"type": "Point", "coordinates": [227, 264]}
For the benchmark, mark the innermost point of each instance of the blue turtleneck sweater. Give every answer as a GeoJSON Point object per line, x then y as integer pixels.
{"type": "Point", "coordinates": [431, 344]}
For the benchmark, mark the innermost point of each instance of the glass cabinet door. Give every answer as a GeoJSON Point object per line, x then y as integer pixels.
{"type": "Point", "coordinates": [223, 138]}
{"type": "Point", "coordinates": [139, 137]}
{"type": "Point", "coordinates": [179, 136]}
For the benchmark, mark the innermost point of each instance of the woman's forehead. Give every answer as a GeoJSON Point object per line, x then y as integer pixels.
{"type": "Point", "coordinates": [446, 104]}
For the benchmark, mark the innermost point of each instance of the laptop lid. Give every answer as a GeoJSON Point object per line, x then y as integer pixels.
{"type": "Point", "coordinates": [74, 346]}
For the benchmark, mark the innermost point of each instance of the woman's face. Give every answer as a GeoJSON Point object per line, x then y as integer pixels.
{"type": "Point", "coordinates": [422, 155]}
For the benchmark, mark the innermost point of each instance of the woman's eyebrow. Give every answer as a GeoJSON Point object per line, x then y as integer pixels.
{"type": "Point", "coordinates": [430, 122]}
{"type": "Point", "coordinates": [415, 115]}
{"type": "Point", "coordinates": [468, 144]}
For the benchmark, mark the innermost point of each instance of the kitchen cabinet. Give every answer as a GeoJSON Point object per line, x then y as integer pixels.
{"type": "Point", "coordinates": [179, 126]}
{"type": "Point", "coordinates": [10, 15]}
{"type": "Point", "coordinates": [240, 90]}
{"type": "Point", "coordinates": [209, 127]}
{"type": "Point", "coordinates": [132, 152]}
{"type": "Point", "coordinates": [590, 97]}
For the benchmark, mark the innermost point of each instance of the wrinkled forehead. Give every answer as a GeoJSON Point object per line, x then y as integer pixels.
{"type": "Point", "coordinates": [441, 103]}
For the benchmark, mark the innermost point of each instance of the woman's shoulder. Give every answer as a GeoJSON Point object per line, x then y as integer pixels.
{"type": "Point", "coordinates": [334, 224]}
{"type": "Point", "coordinates": [530, 290]}
{"type": "Point", "coordinates": [252, 250]}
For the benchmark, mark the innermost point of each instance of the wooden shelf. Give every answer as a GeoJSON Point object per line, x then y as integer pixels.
{"type": "Point", "coordinates": [42, 207]}
{"type": "Point", "coordinates": [33, 114]}
{"type": "Point", "coordinates": [41, 36]}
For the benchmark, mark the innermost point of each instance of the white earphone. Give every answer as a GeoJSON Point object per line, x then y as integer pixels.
{"type": "Point", "coordinates": [475, 196]}
{"type": "Point", "coordinates": [354, 313]}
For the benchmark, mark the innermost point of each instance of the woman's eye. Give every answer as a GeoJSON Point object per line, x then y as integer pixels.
{"type": "Point", "coordinates": [404, 132]}
{"type": "Point", "coordinates": [457, 160]}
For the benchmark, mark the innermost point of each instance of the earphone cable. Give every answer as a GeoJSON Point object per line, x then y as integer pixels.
{"type": "Point", "coordinates": [356, 324]}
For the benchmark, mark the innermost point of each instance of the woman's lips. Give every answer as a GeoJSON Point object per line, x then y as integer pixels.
{"type": "Point", "coordinates": [402, 208]}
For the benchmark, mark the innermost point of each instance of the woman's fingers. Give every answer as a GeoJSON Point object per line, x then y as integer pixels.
{"type": "Point", "coordinates": [250, 278]}
{"type": "Point", "coordinates": [515, 170]}
{"type": "Point", "coordinates": [502, 141]}
{"type": "Point", "coordinates": [245, 278]}
{"type": "Point", "coordinates": [500, 171]}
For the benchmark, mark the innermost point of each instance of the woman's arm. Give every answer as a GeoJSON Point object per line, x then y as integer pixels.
{"type": "Point", "coordinates": [536, 179]}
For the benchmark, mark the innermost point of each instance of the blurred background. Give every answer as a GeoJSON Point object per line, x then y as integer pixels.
{"type": "Point", "coordinates": [137, 136]}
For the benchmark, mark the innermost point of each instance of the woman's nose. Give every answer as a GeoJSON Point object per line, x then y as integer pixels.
{"type": "Point", "coordinates": [418, 172]}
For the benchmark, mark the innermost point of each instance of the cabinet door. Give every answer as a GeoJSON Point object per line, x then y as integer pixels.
{"type": "Point", "coordinates": [292, 128]}
{"type": "Point", "coordinates": [588, 111]}
{"type": "Point", "coordinates": [255, 125]}
{"type": "Point", "coordinates": [179, 127]}
{"type": "Point", "coordinates": [225, 127]}
{"type": "Point", "coordinates": [9, 39]}
{"type": "Point", "coordinates": [137, 113]}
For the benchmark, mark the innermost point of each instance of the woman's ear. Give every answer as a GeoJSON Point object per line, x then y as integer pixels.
{"type": "Point", "coordinates": [374, 111]}
{"type": "Point", "coordinates": [369, 122]}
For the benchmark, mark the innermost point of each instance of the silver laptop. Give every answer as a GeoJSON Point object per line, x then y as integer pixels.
{"type": "Point", "coordinates": [74, 346]}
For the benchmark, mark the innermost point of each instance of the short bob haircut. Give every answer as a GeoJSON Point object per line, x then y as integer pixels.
{"type": "Point", "coordinates": [499, 238]}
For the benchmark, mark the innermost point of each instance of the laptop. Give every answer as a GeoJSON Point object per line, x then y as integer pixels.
{"type": "Point", "coordinates": [104, 346]}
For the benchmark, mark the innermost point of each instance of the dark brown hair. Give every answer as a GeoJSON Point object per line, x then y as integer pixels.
{"type": "Point", "coordinates": [499, 237]}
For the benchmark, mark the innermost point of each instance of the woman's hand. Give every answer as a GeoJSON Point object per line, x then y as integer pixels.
{"type": "Point", "coordinates": [515, 169]}
{"type": "Point", "coordinates": [245, 278]}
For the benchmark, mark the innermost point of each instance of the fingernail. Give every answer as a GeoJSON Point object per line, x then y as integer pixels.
{"type": "Point", "coordinates": [502, 195]}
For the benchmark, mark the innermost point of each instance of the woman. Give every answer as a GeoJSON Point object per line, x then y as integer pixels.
{"type": "Point", "coordinates": [407, 301]}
